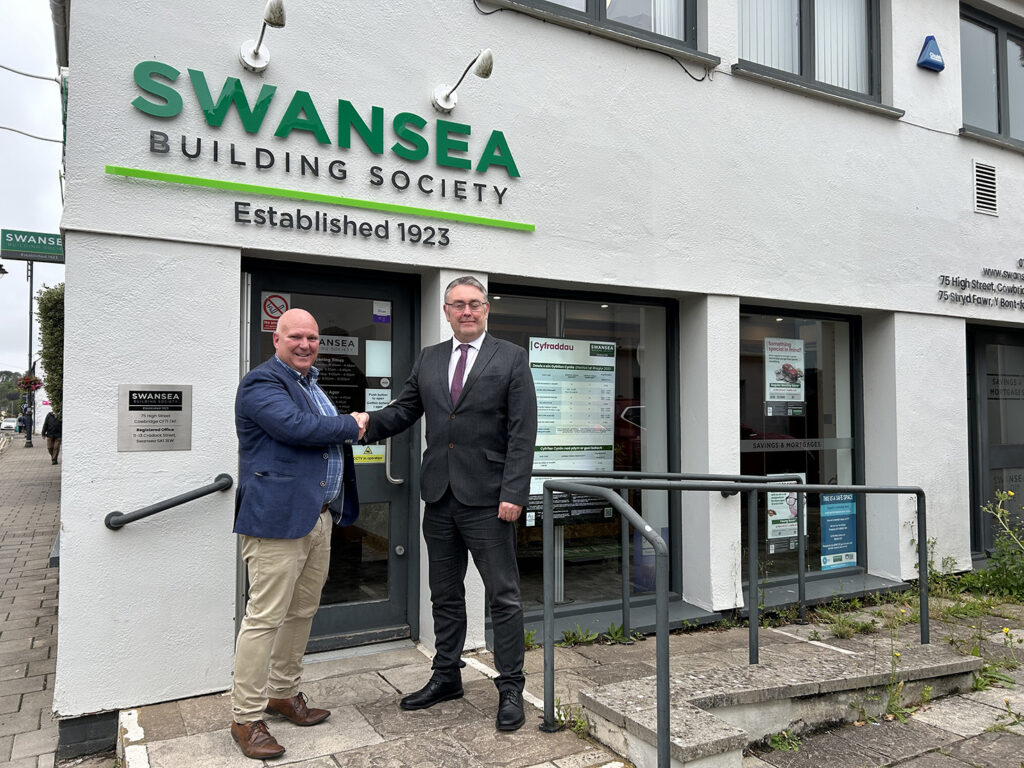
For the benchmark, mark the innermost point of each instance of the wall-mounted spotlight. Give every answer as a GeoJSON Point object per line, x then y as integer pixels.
{"type": "Point", "coordinates": [444, 98]}
{"type": "Point", "coordinates": [2, 270]}
{"type": "Point", "coordinates": [252, 58]}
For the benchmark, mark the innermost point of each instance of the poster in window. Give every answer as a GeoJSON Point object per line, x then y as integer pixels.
{"type": "Point", "coordinates": [838, 530]}
{"type": "Point", "coordinates": [782, 508]}
{"type": "Point", "coordinates": [783, 370]}
{"type": "Point", "coordinates": [575, 384]}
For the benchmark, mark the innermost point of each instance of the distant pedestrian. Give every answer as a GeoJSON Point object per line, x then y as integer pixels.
{"type": "Point", "coordinates": [52, 426]}
{"type": "Point", "coordinates": [21, 424]}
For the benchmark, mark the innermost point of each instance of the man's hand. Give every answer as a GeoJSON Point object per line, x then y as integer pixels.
{"type": "Point", "coordinates": [509, 512]}
{"type": "Point", "coordinates": [362, 419]}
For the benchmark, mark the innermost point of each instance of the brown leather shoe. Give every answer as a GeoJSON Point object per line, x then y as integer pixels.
{"type": "Point", "coordinates": [255, 740]}
{"type": "Point", "coordinates": [295, 709]}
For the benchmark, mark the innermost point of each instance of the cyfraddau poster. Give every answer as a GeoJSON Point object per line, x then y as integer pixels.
{"type": "Point", "coordinates": [575, 383]}
{"type": "Point", "coordinates": [783, 370]}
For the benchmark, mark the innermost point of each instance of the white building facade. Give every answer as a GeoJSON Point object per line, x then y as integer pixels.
{"type": "Point", "coordinates": [737, 237]}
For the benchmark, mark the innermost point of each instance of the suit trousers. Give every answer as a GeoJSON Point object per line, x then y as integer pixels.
{"type": "Point", "coordinates": [452, 531]}
{"type": "Point", "coordinates": [286, 577]}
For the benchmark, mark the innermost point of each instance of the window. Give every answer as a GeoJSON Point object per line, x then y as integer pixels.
{"type": "Point", "coordinates": [823, 43]}
{"type": "Point", "coordinates": [797, 418]}
{"type": "Point", "coordinates": [602, 373]}
{"type": "Point", "coordinates": [992, 73]}
{"type": "Point", "coordinates": [667, 25]}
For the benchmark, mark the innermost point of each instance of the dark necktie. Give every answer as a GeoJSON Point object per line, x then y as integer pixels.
{"type": "Point", "coordinates": [460, 373]}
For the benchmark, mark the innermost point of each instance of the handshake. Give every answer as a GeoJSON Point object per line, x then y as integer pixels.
{"type": "Point", "coordinates": [362, 419]}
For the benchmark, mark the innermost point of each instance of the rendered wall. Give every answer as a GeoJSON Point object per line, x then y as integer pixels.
{"type": "Point", "coordinates": [146, 612]}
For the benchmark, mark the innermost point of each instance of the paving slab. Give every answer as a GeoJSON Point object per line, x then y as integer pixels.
{"type": "Point", "coordinates": [895, 740]}
{"type": "Point", "coordinates": [826, 749]}
{"type": "Point", "coordinates": [205, 713]}
{"type": "Point", "coordinates": [991, 750]}
{"type": "Point", "coordinates": [959, 715]}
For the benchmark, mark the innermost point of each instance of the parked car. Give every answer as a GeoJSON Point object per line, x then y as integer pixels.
{"type": "Point", "coordinates": [9, 425]}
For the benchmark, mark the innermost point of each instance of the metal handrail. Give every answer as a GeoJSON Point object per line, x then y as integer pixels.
{"type": "Point", "coordinates": [602, 488]}
{"type": "Point", "coordinates": [588, 474]}
{"type": "Point", "coordinates": [117, 520]}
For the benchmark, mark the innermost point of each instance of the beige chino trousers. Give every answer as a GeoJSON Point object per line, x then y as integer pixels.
{"type": "Point", "coordinates": [286, 577]}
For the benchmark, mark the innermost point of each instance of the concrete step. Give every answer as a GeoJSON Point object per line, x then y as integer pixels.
{"type": "Point", "coordinates": [720, 708]}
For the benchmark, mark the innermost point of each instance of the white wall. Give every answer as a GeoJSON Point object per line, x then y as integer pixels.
{"type": "Point", "coordinates": [710, 355]}
{"type": "Point", "coordinates": [146, 612]}
{"type": "Point", "coordinates": [915, 433]}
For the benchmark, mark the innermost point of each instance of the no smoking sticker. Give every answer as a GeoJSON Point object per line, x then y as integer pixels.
{"type": "Point", "coordinates": [273, 306]}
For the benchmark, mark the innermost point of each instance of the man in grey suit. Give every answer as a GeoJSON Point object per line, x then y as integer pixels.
{"type": "Point", "coordinates": [481, 408]}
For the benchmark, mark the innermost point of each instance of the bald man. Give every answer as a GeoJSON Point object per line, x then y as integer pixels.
{"type": "Point", "coordinates": [296, 478]}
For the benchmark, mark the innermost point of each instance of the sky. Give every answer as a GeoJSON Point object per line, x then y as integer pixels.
{"type": "Point", "coordinates": [30, 197]}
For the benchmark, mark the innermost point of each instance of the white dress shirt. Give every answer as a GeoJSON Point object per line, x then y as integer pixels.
{"type": "Point", "coordinates": [474, 350]}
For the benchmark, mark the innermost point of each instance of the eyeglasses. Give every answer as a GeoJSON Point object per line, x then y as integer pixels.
{"type": "Point", "coordinates": [460, 306]}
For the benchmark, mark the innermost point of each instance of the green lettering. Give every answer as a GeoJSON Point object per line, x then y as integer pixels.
{"type": "Point", "coordinates": [446, 144]}
{"type": "Point", "coordinates": [418, 147]}
{"type": "Point", "coordinates": [294, 120]}
{"type": "Point", "coordinates": [348, 119]}
{"type": "Point", "coordinates": [232, 93]}
{"type": "Point", "coordinates": [144, 72]}
{"type": "Point", "coordinates": [497, 153]}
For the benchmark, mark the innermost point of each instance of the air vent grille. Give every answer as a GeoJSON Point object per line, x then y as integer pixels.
{"type": "Point", "coordinates": [985, 199]}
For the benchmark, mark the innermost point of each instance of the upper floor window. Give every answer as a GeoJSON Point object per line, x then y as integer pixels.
{"type": "Point", "coordinates": [992, 73]}
{"type": "Point", "coordinates": [668, 25]}
{"type": "Point", "coordinates": [831, 43]}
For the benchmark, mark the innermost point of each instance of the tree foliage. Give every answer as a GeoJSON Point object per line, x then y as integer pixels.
{"type": "Point", "coordinates": [51, 331]}
{"type": "Point", "coordinates": [10, 395]}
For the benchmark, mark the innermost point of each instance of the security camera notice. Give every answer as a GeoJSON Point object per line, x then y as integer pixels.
{"type": "Point", "coordinates": [308, 219]}
{"type": "Point", "coordinates": [154, 417]}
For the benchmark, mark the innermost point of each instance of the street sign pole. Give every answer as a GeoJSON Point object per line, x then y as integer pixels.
{"type": "Point", "coordinates": [30, 396]}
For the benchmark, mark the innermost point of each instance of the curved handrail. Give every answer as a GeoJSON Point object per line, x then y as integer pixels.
{"type": "Point", "coordinates": [117, 520]}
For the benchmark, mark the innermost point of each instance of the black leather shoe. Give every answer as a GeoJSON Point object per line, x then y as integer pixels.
{"type": "Point", "coordinates": [510, 711]}
{"type": "Point", "coordinates": [433, 693]}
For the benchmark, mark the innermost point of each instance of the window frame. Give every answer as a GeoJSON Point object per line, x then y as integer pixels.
{"type": "Point", "coordinates": [1004, 30]}
{"type": "Point", "coordinates": [673, 391]}
{"type": "Point", "coordinates": [856, 362]}
{"type": "Point", "coordinates": [808, 84]}
{"type": "Point", "coordinates": [594, 20]}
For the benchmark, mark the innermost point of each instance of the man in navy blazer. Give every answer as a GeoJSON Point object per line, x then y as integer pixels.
{"type": "Point", "coordinates": [481, 409]}
{"type": "Point", "coordinates": [296, 475]}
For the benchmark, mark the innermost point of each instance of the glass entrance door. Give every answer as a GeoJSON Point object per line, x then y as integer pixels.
{"type": "Point", "coordinates": [998, 393]}
{"type": "Point", "coordinates": [366, 352]}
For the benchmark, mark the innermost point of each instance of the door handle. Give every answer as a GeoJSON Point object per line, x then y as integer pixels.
{"type": "Point", "coordinates": [387, 464]}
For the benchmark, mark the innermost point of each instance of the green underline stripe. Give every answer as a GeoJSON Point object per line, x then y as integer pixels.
{"type": "Point", "coordinates": [295, 194]}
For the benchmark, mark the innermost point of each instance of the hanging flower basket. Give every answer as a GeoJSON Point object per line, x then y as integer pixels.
{"type": "Point", "coordinates": [29, 383]}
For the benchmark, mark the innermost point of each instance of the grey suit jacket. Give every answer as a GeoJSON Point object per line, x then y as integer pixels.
{"type": "Point", "coordinates": [483, 446]}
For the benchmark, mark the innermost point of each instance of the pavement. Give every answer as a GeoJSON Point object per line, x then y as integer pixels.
{"type": "Point", "coordinates": [30, 493]}
{"type": "Point", "coordinates": [971, 729]}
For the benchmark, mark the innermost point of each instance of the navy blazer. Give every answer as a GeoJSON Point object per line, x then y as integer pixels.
{"type": "Point", "coordinates": [482, 447]}
{"type": "Point", "coordinates": [282, 440]}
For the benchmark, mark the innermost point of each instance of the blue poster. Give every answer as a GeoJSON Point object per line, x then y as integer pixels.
{"type": "Point", "coordinates": [838, 530]}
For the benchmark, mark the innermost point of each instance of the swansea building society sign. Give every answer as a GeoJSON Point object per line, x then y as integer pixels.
{"type": "Point", "coordinates": [154, 417]}
{"type": "Point", "coordinates": [473, 172]}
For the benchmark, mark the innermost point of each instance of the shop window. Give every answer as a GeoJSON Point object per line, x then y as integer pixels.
{"type": "Point", "coordinates": [796, 418]}
{"type": "Point", "coordinates": [664, 23]}
{"type": "Point", "coordinates": [992, 76]}
{"type": "Point", "coordinates": [828, 43]}
{"type": "Point", "coordinates": [602, 379]}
